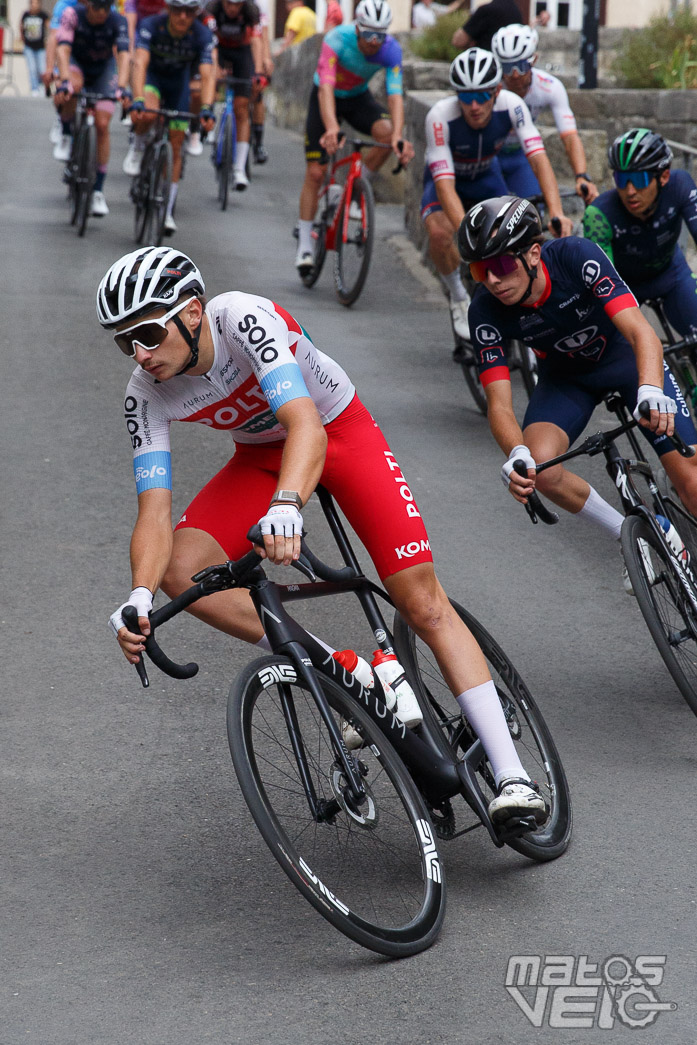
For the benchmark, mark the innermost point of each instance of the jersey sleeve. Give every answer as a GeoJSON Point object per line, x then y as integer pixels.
{"type": "Point", "coordinates": [688, 201]}
{"type": "Point", "coordinates": [263, 335]}
{"type": "Point", "coordinates": [601, 278]}
{"type": "Point", "coordinates": [58, 12]}
{"type": "Point", "coordinates": [148, 430]}
{"type": "Point", "coordinates": [122, 41]}
{"type": "Point", "coordinates": [206, 44]}
{"type": "Point", "coordinates": [521, 121]}
{"type": "Point", "coordinates": [439, 157]}
{"type": "Point", "coordinates": [487, 342]}
{"type": "Point", "coordinates": [561, 110]}
{"type": "Point", "coordinates": [66, 28]}
{"type": "Point", "coordinates": [326, 65]}
{"type": "Point", "coordinates": [144, 35]}
{"type": "Point", "coordinates": [598, 229]}
{"type": "Point", "coordinates": [391, 54]}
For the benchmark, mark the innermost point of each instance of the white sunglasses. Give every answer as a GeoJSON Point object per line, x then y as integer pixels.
{"type": "Point", "coordinates": [149, 333]}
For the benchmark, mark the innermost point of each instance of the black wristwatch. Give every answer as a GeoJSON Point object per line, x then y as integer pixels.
{"type": "Point", "coordinates": [583, 174]}
{"type": "Point", "coordinates": [287, 497]}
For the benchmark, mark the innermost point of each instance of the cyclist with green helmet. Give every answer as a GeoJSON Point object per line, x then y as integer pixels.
{"type": "Point", "coordinates": [639, 222]}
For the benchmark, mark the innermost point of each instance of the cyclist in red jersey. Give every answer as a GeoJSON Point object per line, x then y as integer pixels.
{"type": "Point", "coordinates": [242, 363]}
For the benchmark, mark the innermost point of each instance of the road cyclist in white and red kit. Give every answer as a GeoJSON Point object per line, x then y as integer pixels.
{"type": "Point", "coordinates": [242, 364]}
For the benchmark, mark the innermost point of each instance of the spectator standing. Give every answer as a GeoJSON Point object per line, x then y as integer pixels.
{"type": "Point", "coordinates": [301, 24]}
{"type": "Point", "coordinates": [334, 16]}
{"type": "Point", "coordinates": [32, 30]}
{"type": "Point", "coordinates": [426, 13]}
{"type": "Point", "coordinates": [486, 20]}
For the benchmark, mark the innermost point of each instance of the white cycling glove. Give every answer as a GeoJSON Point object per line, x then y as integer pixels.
{"type": "Point", "coordinates": [282, 520]}
{"type": "Point", "coordinates": [141, 598]}
{"type": "Point", "coordinates": [656, 399]}
{"type": "Point", "coordinates": [518, 453]}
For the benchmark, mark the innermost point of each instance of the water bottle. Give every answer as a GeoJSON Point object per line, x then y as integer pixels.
{"type": "Point", "coordinates": [674, 540]}
{"type": "Point", "coordinates": [390, 672]}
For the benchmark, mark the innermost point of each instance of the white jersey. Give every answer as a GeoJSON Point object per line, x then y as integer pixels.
{"type": "Point", "coordinates": [456, 150]}
{"type": "Point", "coordinates": [263, 359]}
{"type": "Point", "coordinates": [546, 92]}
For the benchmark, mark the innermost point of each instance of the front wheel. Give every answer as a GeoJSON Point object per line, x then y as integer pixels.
{"type": "Point", "coordinates": [354, 241]}
{"type": "Point", "coordinates": [371, 869]}
{"type": "Point", "coordinates": [669, 610]}
{"type": "Point", "coordinates": [526, 725]}
{"type": "Point", "coordinates": [223, 159]}
{"type": "Point", "coordinates": [464, 355]}
{"type": "Point", "coordinates": [528, 366]}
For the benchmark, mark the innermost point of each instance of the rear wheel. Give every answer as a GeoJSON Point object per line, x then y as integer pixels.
{"type": "Point", "coordinates": [528, 366]}
{"type": "Point", "coordinates": [371, 869]}
{"type": "Point", "coordinates": [86, 174]}
{"type": "Point", "coordinates": [354, 242]}
{"type": "Point", "coordinates": [224, 160]}
{"type": "Point", "coordinates": [158, 193]}
{"type": "Point", "coordinates": [527, 727]}
{"type": "Point", "coordinates": [666, 607]}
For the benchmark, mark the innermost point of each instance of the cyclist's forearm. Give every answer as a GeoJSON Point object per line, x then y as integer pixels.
{"type": "Point", "coordinates": [207, 86]}
{"type": "Point", "coordinates": [575, 152]}
{"type": "Point", "coordinates": [63, 61]}
{"type": "Point", "coordinates": [151, 550]}
{"type": "Point", "coordinates": [502, 420]}
{"type": "Point", "coordinates": [123, 68]}
{"type": "Point", "coordinates": [131, 21]}
{"type": "Point", "coordinates": [140, 68]}
{"type": "Point", "coordinates": [450, 201]}
{"type": "Point", "coordinates": [542, 169]}
{"type": "Point", "coordinates": [51, 45]}
{"type": "Point", "coordinates": [305, 449]}
{"type": "Point", "coordinates": [257, 54]}
{"type": "Point", "coordinates": [647, 348]}
{"type": "Point", "coordinates": [395, 103]}
{"type": "Point", "coordinates": [327, 107]}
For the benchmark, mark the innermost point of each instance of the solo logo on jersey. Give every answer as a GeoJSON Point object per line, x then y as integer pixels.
{"type": "Point", "coordinates": [256, 335]}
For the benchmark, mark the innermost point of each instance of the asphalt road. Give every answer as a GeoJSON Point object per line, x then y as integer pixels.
{"type": "Point", "coordinates": [140, 905]}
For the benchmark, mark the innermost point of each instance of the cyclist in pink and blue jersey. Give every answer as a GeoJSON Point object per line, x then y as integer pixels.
{"type": "Point", "coordinates": [350, 57]}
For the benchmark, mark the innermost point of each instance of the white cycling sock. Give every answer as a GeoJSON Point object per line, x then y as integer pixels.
{"type": "Point", "coordinates": [456, 288]}
{"type": "Point", "coordinates": [172, 198]}
{"type": "Point", "coordinates": [598, 511]}
{"type": "Point", "coordinates": [305, 237]}
{"type": "Point", "coordinates": [482, 709]}
{"type": "Point", "coordinates": [241, 153]}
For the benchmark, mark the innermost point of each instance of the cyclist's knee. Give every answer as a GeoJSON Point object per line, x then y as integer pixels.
{"type": "Point", "coordinates": [314, 174]}
{"type": "Point", "coordinates": [550, 481]}
{"type": "Point", "coordinates": [440, 232]}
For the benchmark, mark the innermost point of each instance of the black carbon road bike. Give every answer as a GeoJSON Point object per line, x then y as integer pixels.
{"type": "Point", "coordinates": [665, 584]}
{"type": "Point", "coordinates": [357, 831]}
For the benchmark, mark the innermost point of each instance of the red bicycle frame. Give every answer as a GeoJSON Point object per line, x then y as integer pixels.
{"type": "Point", "coordinates": [354, 172]}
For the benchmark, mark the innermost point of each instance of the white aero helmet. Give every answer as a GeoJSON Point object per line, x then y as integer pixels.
{"type": "Point", "coordinates": [146, 279]}
{"type": "Point", "coordinates": [190, 5]}
{"type": "Point", "coordinates": [373, 14]}
{"type": "Point", "coordinates": [475, 70]}
{"type": "Point", "coordinates": [515, 43]}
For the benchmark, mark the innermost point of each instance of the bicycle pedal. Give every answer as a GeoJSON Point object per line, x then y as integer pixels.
{"type": "Point", "coordinates": [515, 827]}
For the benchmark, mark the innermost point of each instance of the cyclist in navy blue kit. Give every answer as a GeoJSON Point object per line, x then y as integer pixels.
{"type": "Point", "coordinates": [170, 47]}
{"type": "Point", "coordinates": [464, 133]}
{"type": "Point", "coordinates": [639, 222]}
{"type": "Point", "coordinates": [565, 300]}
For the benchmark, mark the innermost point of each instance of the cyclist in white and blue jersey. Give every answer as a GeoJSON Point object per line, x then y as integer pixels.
{"type": "Point", "coordinates": [350, 56]}
{"type": "Point", "coordinates": [464, 133]}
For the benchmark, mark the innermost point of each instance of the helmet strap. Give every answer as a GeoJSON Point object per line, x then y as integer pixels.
{"type": "Point", "coordinates": [191, 340]}
{"type": "Point", "coordinates": [532, 274]}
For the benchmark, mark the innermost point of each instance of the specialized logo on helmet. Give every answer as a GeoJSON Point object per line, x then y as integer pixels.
{"type": "Point", "coordinates": [517, 215]}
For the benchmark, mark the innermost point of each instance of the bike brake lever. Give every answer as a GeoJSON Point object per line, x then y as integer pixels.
{"type": "Point", "coordinates": [399, 167]}
{"type": "Point", "coordinates": [130, 619]}
{"type": "Point", "coordinates": [535, 507]}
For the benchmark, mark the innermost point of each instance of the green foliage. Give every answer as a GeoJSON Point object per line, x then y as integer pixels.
{"type": "Point", "coordinates": [663, 54]}
{"type": "Point", "coordinates": [434, 43]}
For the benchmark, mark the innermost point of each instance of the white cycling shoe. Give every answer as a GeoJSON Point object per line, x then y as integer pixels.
{"type": "Point", "coordinates": [649, 571]}
{"type": "Point", "coordinates": [517, 797]}
{"type": "Point", "coordinates": [61, 150]}
{"type": "Point", "coordinates": [194, 145]}
{"type": "Point", "coordinates": [169, 226]}
{"type": "Point", "coordinates": [132, 161]}
{"type": "Point", "coordinates": [241, 179]}
{"type": "Point", "coordinates": [458, 318]}
{"type": "Point", "coordinates": [304, 263]}
{"type": "Point", "coordinates": [98, 206]}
